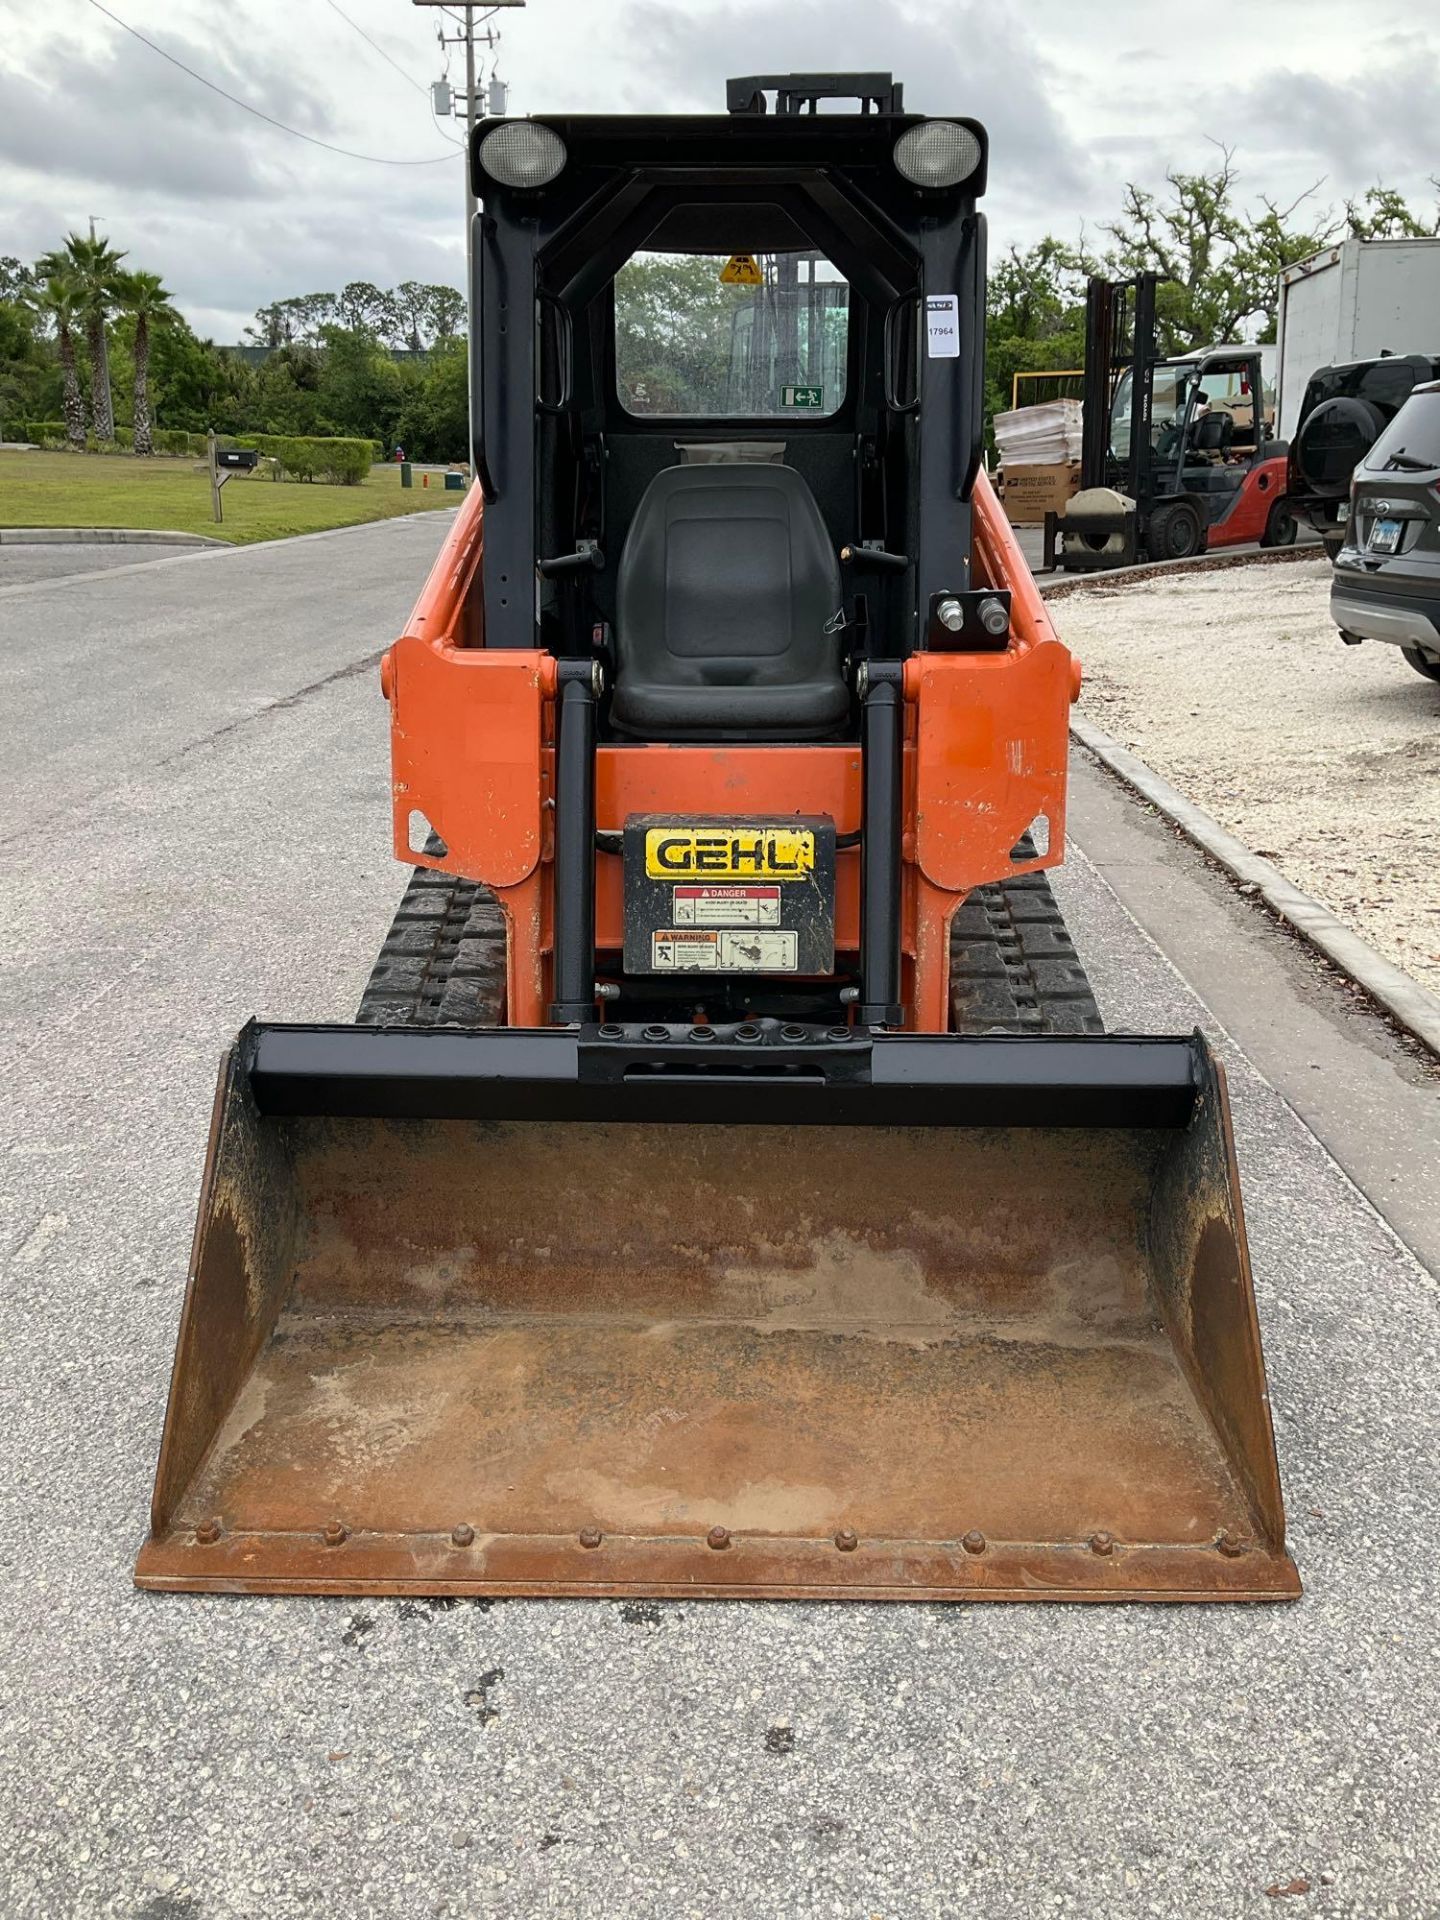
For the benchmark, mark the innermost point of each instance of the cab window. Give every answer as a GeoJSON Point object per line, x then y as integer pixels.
{"type": "Point", "coordinates": [746, 337]}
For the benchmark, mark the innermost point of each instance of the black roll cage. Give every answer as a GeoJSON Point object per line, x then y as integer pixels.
{"type": "Point", "coordinates": [542, 258]}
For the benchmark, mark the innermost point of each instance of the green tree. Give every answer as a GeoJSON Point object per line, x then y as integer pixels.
{"type": "Point", "coordinates": [146, 299]}
{"type": "Point", "coordinates": [16, 279]}
{"type": "Point", "coordinates": [29, 373]}
{"type": "Point", "coordinates": [1035, 314]}
{"type": "Point", "coordinates": [361, 390]}
{"type": "Point", "coordinates": [360, 307]}
{"type": "Point", "coordinates": [434, 422]}
{"type": "Point", "coordinates": [1219, 264]}
{"type": "Point", "coordinates": [95, 265]}
{"type": "Point", "coordinates": [445, 312]}
{"type": "Point", "coordinates": [285, 397]}
{"type": "Point", "coordinates": [60, 299]}
{"type": "Point", "coordinates": [1384, 214]}
{"type": "Point", "coordinates": [412, 306]}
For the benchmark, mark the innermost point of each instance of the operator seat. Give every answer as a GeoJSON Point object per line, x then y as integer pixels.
{"type": "Point", "coordinates": [728, 583]}
{"type": "Point", "coordinates": [1214, 432]}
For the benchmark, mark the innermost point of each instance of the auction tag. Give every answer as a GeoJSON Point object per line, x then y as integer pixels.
{"type": "Point", "coordinates": [942, 326]}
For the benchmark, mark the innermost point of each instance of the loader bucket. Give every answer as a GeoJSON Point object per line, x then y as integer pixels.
{"type": "Point", "coordinates": [590, 1312]}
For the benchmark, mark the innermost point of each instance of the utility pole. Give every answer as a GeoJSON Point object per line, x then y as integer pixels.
{"type": "Point", "coordinates": [444, 100]}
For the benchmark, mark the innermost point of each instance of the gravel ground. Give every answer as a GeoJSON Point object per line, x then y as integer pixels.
{"type": "Point", "coordinates": [222, 846]}
{"type": "Point", "coordinates": [1236, 687]}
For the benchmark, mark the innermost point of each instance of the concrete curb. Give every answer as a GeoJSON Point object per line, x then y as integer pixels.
{"type": "Point", "coordinates": [104, 537]}
{"type": "Point", "coordinates": [1060, 585]}
{"type": "Point", "coordinates": [1415, 1008]}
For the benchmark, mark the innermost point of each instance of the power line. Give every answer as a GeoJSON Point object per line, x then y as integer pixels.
{"type": "Point", "coordinates": [408, 77]}
{"type": "Point", "coordinates": [376, 159]}
{"type": "Point", "coordinates": [375, 47]}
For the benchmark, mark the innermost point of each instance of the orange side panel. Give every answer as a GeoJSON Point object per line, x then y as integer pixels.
{"type": "Point", "coordinates": [990, 755]}
{"type": "Point", "coordinates": [992, 734]}
{"type": "Point", "coordinates": [466, 750]}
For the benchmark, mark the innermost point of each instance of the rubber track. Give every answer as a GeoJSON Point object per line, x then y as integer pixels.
{"type": "Point", "coordinates": [1013, 965]}
{"type": "Point", "coordinates": [443, 961]}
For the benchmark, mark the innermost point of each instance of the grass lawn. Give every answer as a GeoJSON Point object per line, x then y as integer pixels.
{"type": "Point", "coordinates": [117, 490]}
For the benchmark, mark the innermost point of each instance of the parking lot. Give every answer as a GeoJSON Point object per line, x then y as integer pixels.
{"type": "Point", "coordinates": [1234, 685]}
{"type": "Point", "coordinates": [198, 829]}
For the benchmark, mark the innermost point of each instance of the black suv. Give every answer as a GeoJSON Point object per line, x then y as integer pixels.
{"type": "Point", "coordinates": [1343, 413]}
{"type": "Point", "coordinates": [1387, 574]}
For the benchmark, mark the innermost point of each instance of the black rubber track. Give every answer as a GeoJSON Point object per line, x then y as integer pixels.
{"type": "Point", "coordinates": [1013, 965]}
{"type": "Point", "coordinates": [443, 961]}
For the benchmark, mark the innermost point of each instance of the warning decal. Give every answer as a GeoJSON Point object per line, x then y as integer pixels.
{"type": "Point", "coordinates": [726, 907]}
{"type": "Point", "coordinates": [687, 950]}
{"type": "Point", "coordinates": [741, 270]}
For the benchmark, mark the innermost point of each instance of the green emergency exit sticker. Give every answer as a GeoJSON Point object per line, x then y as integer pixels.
{"type": "Point", "coordinates": [803, 397]}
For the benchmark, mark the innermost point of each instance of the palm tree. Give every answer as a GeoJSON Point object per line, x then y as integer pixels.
{"type": "Point", "coordinates": [147, 297]}
{"type": "Point", "coordinates": [96, 265]}
{"type": "Point", "coordinates": [61, 300]}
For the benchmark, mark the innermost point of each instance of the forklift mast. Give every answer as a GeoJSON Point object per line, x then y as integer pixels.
{"type": "Point", "coordinates": [1119, 337]}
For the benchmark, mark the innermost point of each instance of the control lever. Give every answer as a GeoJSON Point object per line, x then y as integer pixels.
{"type": "Point", "coordinates": [587, 558]}
{"type": "Point", "coordinates": [870, 559]}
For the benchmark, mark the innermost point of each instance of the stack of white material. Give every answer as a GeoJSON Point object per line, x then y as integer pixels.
{"type": "Point", "coordinates": [1047, 435]}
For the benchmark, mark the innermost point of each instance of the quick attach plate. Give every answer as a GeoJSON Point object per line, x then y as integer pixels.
{"type": "Point", "coordinates": [729, 894]}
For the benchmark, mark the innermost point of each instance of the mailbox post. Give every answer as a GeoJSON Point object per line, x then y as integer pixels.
{"type": "Point", "coordinates": [223, 462]}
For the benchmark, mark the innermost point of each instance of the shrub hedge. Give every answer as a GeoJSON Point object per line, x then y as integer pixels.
{"type": "Point", "coordinates": [344, 463]}
{"type": "Point", "coordinates": [303, 457]}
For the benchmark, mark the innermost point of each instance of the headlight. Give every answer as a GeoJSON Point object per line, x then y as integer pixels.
{"type": "Point", "coordinates": [521, 154]}
{"type": "Point", "coordinates": [937, 154]}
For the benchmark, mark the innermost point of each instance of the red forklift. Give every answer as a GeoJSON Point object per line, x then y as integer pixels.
{"type": "Point", "coordinates": [1176, 455]}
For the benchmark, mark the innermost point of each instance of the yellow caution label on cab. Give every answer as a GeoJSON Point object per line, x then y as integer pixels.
{"type": "Point", "coordinates": [729, 853]}
{"type": "Point", "coordinates": [741, 270]}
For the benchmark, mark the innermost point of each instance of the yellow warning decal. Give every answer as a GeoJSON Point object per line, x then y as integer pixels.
{"type": "Point", "coordinates": [741, 270]}
{"type": "Point", "coordinates": [729, 853]}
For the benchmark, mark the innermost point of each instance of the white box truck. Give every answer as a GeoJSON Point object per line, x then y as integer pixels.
{"type": "Point", "coordinates": [1355, 300]}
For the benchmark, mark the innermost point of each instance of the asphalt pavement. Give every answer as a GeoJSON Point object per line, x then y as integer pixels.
{"type": "Point", "coordinates": [196, 827]}
{"type": "Point", "coordinates": [24, 562]}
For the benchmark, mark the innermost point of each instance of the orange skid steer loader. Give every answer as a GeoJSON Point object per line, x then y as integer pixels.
{"type": "Point", "coordinates": [727, 1188]}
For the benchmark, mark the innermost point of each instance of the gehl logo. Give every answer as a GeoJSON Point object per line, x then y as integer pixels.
{"type": "Point", "coordinates": [729, 853]}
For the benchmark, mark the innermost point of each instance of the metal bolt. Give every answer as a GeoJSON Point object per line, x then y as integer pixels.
{"type": "Point", "coordinates": [974, 1541]}
{"type": "Point", "coordinates": [951, 615]}
{"type": "Point", "coordinates": [463, 1536]}
{"type": "Point", "coordinates": [1102, 1543]}
{"type": "Point", "coordinates": [336, 1533]}
{"type": "Point", "coordinates": [993, 617]}
{"type": "Point", "coordinates": [590, 1536]}
{"type": "Point", "coordinates": [208, 1532]}
{"type": "Point", "coordinates": [846, 1541]}
{"type": "Point", "coordinates": [1229, 1545]}
{"type": "Point", "coordinates": [718, 1537]}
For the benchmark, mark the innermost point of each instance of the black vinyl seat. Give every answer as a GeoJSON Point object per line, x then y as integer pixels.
{"type": "Point", "coordinates": [727, 584]}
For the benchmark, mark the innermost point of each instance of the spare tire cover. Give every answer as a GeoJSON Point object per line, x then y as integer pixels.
{"type": "Point", "coordinates": [1333, 440]}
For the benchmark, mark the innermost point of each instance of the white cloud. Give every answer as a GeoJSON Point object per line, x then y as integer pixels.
{"type": "Point", "coordinates": [235, 214]}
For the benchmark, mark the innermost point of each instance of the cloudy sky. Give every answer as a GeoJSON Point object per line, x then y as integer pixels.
{"type": "Point", "coordinates": [235, 213]}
